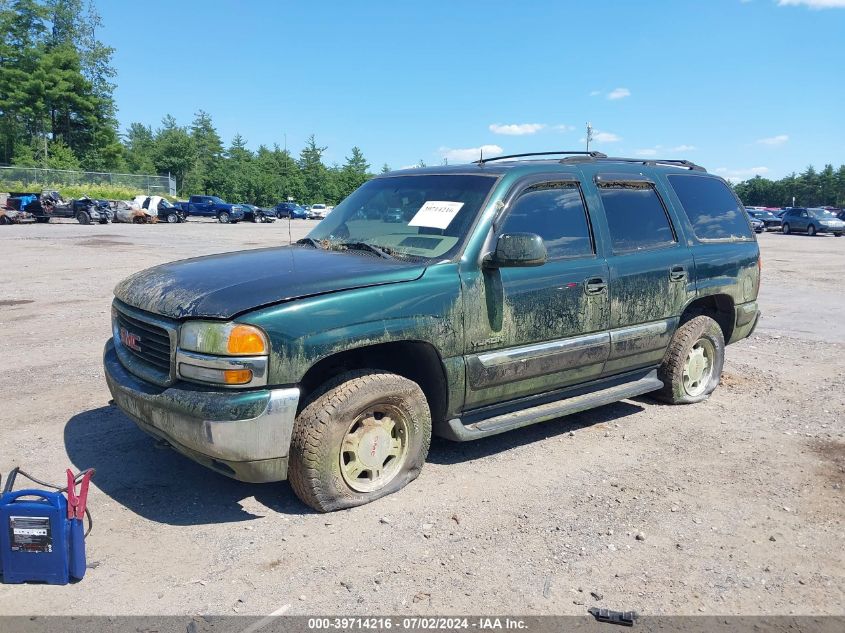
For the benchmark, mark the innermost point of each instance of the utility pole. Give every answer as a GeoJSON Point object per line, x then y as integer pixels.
{"type": "Point", "coordinates": [589, 134]}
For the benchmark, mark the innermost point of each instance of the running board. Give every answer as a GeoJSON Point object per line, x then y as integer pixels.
{"type": "Point", "coordinates": [458, 431]}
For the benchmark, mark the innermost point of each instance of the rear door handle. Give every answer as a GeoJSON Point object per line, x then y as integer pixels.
{"type": "Point", "coordinates": [677, 273]}
{"type": "Point", "coordinates": [595, 285]}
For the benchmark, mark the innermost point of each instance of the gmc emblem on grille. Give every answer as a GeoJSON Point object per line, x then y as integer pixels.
{"type": "Point", "coordinates": [130, 340]}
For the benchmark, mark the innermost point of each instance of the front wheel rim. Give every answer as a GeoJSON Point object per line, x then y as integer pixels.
{"type": "Point", "coordinates": [698, 367]}
{"type": "Point", "coordinates": [374, 448]}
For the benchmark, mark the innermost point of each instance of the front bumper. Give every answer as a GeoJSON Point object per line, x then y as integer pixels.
{"type": "Point", "coordinates": [244, 435]}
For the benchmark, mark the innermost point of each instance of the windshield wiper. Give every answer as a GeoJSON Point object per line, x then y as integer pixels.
{"type": "Point", "coordinates": [309, 241]}
{"type": "Point", "coordinates": [386, 253]}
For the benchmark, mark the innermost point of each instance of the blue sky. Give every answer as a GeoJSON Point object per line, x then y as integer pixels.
{"type": "Point", "coordinates": [740, 86]}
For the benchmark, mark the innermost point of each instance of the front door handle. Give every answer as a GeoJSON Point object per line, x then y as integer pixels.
{"type": "Point", "coordinates": [677, 273]}
{"type": "Point", "coordinates": [595, 285]}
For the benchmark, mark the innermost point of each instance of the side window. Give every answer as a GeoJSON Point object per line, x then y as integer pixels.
{"type": "Point", "coordinates": [711, 207]}
{"type": "Point", "coordinates": [636, 216]}
{"type": "Point", "coordinates": [555, 211]}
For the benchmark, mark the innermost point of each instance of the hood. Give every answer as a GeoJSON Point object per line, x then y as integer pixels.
{"type": "Point", "coordinates": [222, 286]}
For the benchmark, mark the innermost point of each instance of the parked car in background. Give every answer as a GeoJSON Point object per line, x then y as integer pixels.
{"type": "Point", "coordinates": [769, 219]}
{"type": "Point", "coordinates": [12, 216]}
{"type": "Point", "coordinates": [758, 225]}
{"type": "Point", "coordinates": [290, 210]}
{"type": "Point", "coordinates": [43, 206]}
{"type": "Point", "coordinates": [90, 210]}
{"type": "Point", "coordinates": [253, 213]}
{"type": "Point", "coordinates": [212, 207]}
{"type": "Point", "coordinates": [130, 212]}
{"type": "Point", "coordinates": [318, 212]}
{"type": "Point", "coordinates": [812, 221]}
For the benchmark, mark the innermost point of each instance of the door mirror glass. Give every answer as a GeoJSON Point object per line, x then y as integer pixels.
{"type": "Point", "coordinates": [516, 250]}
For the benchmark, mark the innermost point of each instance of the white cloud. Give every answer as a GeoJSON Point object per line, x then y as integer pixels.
{"type": "Point", "coordinates": [595, 93]}
{"type": "Point", "coordinates": [469, 154]}
{"type": "Point", "coordinates": [606, 137]}
{"type": "Point", "coordinates": [738, 175]}
{"type": "Point", "coordinates": [659, 149]}
{"type": "Point", "coordinates": [780, 139]}
{"type": "Point", "coordinates": [516, 129]}
{"type": "Point", "coordinates": [619, 93]}
{"type": "Point", "coordinates": [814, 4]}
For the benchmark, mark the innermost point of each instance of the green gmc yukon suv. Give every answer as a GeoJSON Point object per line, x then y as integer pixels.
{"type": "Point", "coordinates": [462, 301]}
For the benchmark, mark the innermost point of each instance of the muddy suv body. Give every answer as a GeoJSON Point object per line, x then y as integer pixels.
{"type": "Point", "coordinates": [512, 292]}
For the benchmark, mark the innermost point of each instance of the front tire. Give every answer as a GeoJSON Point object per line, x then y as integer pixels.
{"type": "Point", "coordinates": [172, 218]}
{"type": "Point", "coordinates": [364, 436]}
{"type": "Point", "coordinates": [811, 230]}
{"type": "Point", "coordinates": [223, 218]}
{"type": "Point", "coordinates": [83, 218]}
{"type": "Point", "coordinates": [692, 366]}
{"type": "Point", "coordinates": [785, 229]}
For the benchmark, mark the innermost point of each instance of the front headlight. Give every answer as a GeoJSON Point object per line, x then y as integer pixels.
{"type": "Point", "coordinates": [226, 354]}
{"type": "Point", "coordinates": [224, 339]}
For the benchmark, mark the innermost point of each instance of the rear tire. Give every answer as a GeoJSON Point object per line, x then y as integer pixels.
{"type": "Point", "coordinates": [692, 366]}
{"type": "Point", "coordinates": [785, 229]}
{"type": "Point", "coordinates": [365, 435]}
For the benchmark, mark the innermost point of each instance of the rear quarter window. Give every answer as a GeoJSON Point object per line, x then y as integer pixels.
{"type": "Point", "coordinates": [636, 217]}
{"type": "Point", "coordinates": [712, 208]}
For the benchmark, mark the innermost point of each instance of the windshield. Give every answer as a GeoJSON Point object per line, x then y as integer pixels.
{"type": "Point", "coordinates": [820, 214]}
{"type": "Point", "coordinates": [216, 200]}
{"type": "Point", "coordinates": [410, 216]}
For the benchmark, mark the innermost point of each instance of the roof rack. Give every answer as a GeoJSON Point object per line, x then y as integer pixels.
{"type": "Point", "coordinates": [482, 160]}
{"type": "Point", "coordinates": [640, 161]}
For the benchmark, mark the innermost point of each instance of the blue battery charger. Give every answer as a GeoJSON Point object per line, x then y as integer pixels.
{"type": "Point", "coordinates": [40, 539]}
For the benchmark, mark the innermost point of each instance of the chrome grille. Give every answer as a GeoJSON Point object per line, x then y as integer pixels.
{"type": "Point", "coordinates": [145, 343]}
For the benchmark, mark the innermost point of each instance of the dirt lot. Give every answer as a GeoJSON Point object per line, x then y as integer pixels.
{"type": "Point", "coordinates": [731, 506]}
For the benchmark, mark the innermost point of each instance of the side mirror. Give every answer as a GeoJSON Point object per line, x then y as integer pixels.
{"type": "Point", "coordinates": [517, 250]}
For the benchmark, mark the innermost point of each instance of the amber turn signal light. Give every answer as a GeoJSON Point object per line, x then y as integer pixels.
{"type": "Point", "coordinates": [237, 376]}
{"type": "Point", "coordinates": [246, 340]}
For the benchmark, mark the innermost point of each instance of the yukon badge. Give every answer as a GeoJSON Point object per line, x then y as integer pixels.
{"type": "Point", "coordinates": [130, 340]}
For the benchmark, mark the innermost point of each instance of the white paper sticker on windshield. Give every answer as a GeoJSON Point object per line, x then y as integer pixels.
{"type": "Point", "coordinates": [436, 214]}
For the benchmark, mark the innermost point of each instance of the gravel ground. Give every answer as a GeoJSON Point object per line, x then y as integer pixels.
{"type": "Point", "coordinates": [731, 506]}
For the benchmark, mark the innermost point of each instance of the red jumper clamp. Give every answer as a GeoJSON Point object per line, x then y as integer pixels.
{"type": "Point", "coordinates": [76, 503]}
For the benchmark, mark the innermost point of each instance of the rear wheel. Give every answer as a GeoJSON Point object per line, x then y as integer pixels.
{"type": "Point", "coordinates": [4, 220]}
{"type": "Point", "coordinates": [692, 366]}
{"type": "Point", "coordinates": [811, 230]}
{"type": "Point", "coordinates": [223, 217]}
{"type": "Point", "coordinates": [785, 228]}
{"type": "Point", "coordinates": [364, 436]}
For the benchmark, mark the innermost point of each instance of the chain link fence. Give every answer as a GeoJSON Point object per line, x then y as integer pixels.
{"type": "Point", "coordinates": [35, 177]}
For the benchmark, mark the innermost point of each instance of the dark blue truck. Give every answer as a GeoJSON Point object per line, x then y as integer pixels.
{"type": "Point", "coordinates": [212, 207]}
